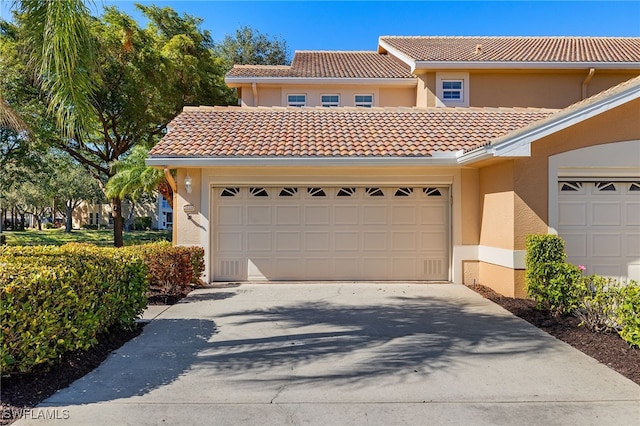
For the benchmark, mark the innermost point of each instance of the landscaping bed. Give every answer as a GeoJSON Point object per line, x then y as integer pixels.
{"type": "Point", "coordinates": [607, 348]}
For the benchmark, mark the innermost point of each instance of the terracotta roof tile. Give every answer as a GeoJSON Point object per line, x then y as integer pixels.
{"type": "Point", "coordinates": [518, 49]}
{"type": "Point", "coordinates": [329, 64]}
{"type": "Point", "coordinates": [232, 132]}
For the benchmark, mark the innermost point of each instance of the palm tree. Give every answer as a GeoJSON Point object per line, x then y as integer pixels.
{"type": "Point", "coordinates": [9, 118]}
{"type": "Point", "coordinates": [133, 178]}
{"type": "Point", "coordinates": [58, 41]}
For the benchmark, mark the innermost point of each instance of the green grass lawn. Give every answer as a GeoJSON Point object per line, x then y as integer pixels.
{"type": "Point", "coordinates": [103, 237]}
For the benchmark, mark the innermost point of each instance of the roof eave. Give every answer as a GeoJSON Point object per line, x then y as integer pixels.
{"type": "Point", "coordinates": [484, 65]}
{"type": "Point", "coordinates": [405, 81]}
{"type": "Point", "coordinates": [438, 159]}
{"type": "Point", "coordinates": [411, 62]}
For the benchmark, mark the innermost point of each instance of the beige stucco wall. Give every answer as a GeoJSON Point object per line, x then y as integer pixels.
{"type": "Point", "coordinates": [397, 96]}
{"type": "Point", "coordinates": [512, 88]}
{"type": "Point", "coordinates": [514, 198]}
{"type": "Point", "coordinates": [470, 226]}
{"type": "Point", "coordinates": [189, 226]}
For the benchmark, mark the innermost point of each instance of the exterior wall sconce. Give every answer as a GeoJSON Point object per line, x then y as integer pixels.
{"type": "Point", "coordinates": [187, 184]}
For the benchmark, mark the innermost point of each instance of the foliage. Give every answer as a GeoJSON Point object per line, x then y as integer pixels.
{"type": "Point", "coordinates": [551, 282]}
{"type": "Point", "coordinates": [600, 299]}
{"type": "Point", "coordinates": [172, 270]}
{"type": "Point", "coordinates": [250, 47]}
{"type": "Point", "coordinates": [629, 313]}
{"type": "Point", "coordinates": [133, 178]}
{"type": "Point", "coordinates": [57, 299]}
{"type": "Point", "coordinates": [142, 223]}
{"type": "Point", "coordinates": [59, 46]}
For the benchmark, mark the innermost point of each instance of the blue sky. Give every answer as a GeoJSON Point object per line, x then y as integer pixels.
{"type": "Point", "coordinates": [356, 25]}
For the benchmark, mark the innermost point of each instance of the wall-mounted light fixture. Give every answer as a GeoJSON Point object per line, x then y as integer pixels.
{"type": "Point", "coordinates": [187, 184]}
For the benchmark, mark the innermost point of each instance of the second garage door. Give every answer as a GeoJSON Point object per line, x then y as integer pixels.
{"type": "Point", "coordinates": [330, 233]}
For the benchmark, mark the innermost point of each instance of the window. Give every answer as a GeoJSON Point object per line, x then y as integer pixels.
{"type": "Point", "coordinates": [330, 100]}
{"type": "Point", "coordinates": [364, 101]}
{"type": "Point", "coordinates": [165, 203]}
{"type": "Point", "coordinates": [452, 90]}
{"type": "Point", "coordinates": [297, 100]}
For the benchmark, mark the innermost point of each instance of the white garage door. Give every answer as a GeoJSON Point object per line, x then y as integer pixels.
{"type": "Point", "coordinates": [600, 223]}
{"type": "Point", "coordinates": [325, 233]}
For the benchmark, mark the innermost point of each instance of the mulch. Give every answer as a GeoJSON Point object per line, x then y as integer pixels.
{"type": "Point", "coordinates": [28, 390]}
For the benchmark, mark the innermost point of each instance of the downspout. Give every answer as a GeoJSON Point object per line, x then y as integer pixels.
{"type": "Point", "coordinates": [254, 87]}
{"type": "Point", "coordinates": [585, 83]}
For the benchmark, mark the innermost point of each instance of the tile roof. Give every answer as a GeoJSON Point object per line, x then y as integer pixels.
{"type": "Point", "coordinates": [279, 132]}
{"type": "Point", "coordinates": [325, 64]}
{"type": "Point", "coordinates": [518, 49]}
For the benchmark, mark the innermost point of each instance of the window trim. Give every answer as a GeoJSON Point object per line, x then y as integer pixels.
{"type": "Point", "coordinates": [441, 78]}
{"type": "Point", "coordinates": [363, 104]}
{"type": "Point", "coordinates": [329, 104]}
{"type": "Point", "coordinates": [297, 104]}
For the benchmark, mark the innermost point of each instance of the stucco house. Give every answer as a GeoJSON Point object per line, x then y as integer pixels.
{"type": "Point", "coordinates": [99, 214]}
{"type": "Point", "coordinates": [429, 159]}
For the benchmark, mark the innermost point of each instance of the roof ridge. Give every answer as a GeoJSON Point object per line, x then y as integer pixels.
{"type": "Point", "coordinates": [260, 66]}
{"type": "Point", "coordinates": [510, 36]}
{"type": "Point", "coordinates": [334, 110]}
{"type": "Point", "coordinates": [336, 51]}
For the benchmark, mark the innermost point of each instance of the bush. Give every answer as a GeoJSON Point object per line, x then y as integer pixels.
{"type": "Point", "coordinates": [551, 282]}
{"type": "Point", "coordinates": [172, 270]}
{"type": "Point", "coordinates": [629, 313]}
{"type": "Point", "coordinates": [600, 299]}
{"type": "Point", "coordinates": [142, 223]}
{"type": "Point", "coordinates": [57, 299]}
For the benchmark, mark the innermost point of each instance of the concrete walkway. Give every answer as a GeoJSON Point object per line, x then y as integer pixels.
{"type": "Point", "coordinates": [338, 354]}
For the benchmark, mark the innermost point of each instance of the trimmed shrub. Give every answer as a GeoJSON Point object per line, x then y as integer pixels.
{"type": "Point", "coordinates": [57, 299]}
{"type": "Point", "coordinates": [629, 313]}
{"type": "Point", "coordinates": [173, 271]}
{"type": "Point", "coordinates": [551, 282]}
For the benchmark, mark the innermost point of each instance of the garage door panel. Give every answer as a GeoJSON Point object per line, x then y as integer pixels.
{"type": "Point", "coordinates": [403, 215]}
{"type": "Point", "coordinates": [287, 215]}
{"type": "Point", "coordinates": [345, 215]}
{"type": "Point", "coordinates": [230, 242]}
{"type": "Point", "coordinates": [433, 215]}
{"type": "Point", "coordinates": [606, 213]}
{"type": "Point", "coordinates": [632, 210]}
{"type": "Point", "coordinates": [345, 241]}
{"type": "Point", "coordinates": [374, 241]}
{"type": "Point", "coordinates": [314, 241]}
{"type": "Point", "coordinates": [304, 234]}
{"type": "Point", "coordinates": [316, 215]}
{"type": "Point", "coordinates": [607, 270]}
{"type": "Point", "coordinates": [632, 245]}
{"type": "Point", "coordinates": [230, 215]}
{"type": "Point", "coordinates": [575, 243]}
{"type": "Point", "coordinates": [404, 241]}
{"type": "Point", "coordinates": [374, 215]}
{"type": "Point", "coordinates": [572, 213]}
{"type": "Point", "coordinates": [605, 244]}
{"type": "Point", "coordinates": [287, 241]}
{"type": "Point", "coordinates": [259, 268]}
{"type": "Point", "coordinates": [259, 215]}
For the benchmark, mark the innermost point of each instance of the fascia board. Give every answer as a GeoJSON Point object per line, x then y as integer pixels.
{"type": "Point", "coordinates": [518, 142]}
{"type": "Point", "coordinates": [323, 80]}
{"type": "Point", "coordinates": [444, 159]}
{"type": "Point", "coordinates": [398, 54]}
{"type": "Point", "coordinates": [484, 65]}
{"type": "Point", "coordinates": [475, 155]}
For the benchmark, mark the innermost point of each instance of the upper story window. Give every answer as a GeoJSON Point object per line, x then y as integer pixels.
{"type": "Point", "coordinates": [330, 100]}
{"type": "Point", "coordinates": [365, 101]}
{"type": "Point", "coordinates": [452, 90]}
{"type": "Point", "coordinates": [297, 100]}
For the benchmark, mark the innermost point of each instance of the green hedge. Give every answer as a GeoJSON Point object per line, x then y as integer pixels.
{"type": "Point", "coordinates": [58, 299]}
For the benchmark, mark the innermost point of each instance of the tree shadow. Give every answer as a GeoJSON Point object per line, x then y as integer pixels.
{"type": "Point", "coordinates": [313, 341]}
{"type": "Point", "coordinates": [414, 334]}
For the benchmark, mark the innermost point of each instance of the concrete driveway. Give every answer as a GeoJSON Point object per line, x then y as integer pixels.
{"type": "Point", "coordinates": [332, 354]}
